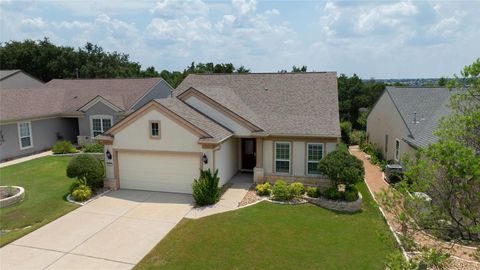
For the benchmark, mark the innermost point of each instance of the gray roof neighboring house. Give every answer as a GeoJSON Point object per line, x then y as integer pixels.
{"type": "Point", "coordinates": [7, 73]}
{"type": "Point", "coordinates": [295, 104]}
{"type": "Point", "coordinates": [66, 97]}
{"type": "Point", "coordinates": [18, 79]}
{"type": "Point", "coordinates": [421, 109]}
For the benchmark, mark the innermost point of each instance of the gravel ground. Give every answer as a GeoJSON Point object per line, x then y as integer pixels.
{"type": "Point", "coordinates": [250, 197]}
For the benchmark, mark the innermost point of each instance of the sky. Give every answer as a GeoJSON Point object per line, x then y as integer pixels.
{"type": "Point", "coordinates": [374, 39]}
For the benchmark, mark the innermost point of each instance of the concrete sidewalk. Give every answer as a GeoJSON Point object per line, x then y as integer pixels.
{"type": "Point", "coordinates": [23, 159]}
{"type": "Point", "coordinates": [229, 200]}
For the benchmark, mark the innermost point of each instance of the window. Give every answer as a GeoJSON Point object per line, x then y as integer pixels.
{"type": "Point", "coordinates": [154, 129]}
{"type": "Point", "coordinates": [100, 123]}
{"type": "Point", "coordinates": [282, 157]}
{"type": "Point", "coordinates": [314, 155]}
{"type": "Point", "coordinates": [25, 135]}
{"type": "Point", "coordinates": [386, 143]}
{"type": "Point", "coordinates": [397, 149]}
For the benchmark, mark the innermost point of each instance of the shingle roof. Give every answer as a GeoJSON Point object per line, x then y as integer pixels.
{"type": "Point", "coordinates": [429, 104]}
{"type": "Point", "coordinates": [67, 96]}
{"type": "Point", "coordinates": [215, 131]}
{"type": "Point", "coordinates": [8, 72]}
{"type": "Point", "coordinates": [277, 103]}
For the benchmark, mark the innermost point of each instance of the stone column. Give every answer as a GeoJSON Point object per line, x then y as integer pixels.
{"type": "Point", "coordinates": [258, 171]}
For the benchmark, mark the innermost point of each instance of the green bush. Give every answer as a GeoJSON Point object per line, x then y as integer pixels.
{"type": "Point", "coordinates": [342, 168]}
{"type": "Point", "coordinates": [93, 148]}
{"type": "Point", "coordinates": [296, 190]}
{"type": "Point", "coordinates": [357, 137]}
{"type": "Point", "coordinates": [82, 193]}
{"type": "Point", "coordinates": [313, 192]}
{"type": "Point", "coordinates": [63, 147]}
{"type": "Point", "coordinates": [74, 185]}
{"type": "Point", "coordinates": [346, 130]}
{"type": "Point", "coordinates": [350, 196]}
{"type": "Point", "coordinates": [333, 194]}
{"type": "Point", "coordinates": [376, 154]}
{"type": "Point", "coordinates": [263, 189]}
{"type": "Point", "coordinates": [280, 191]}
{"type": "Point", "coordinates": [205, 188]}
{"type": "Point", "coordinates": [87, 170]}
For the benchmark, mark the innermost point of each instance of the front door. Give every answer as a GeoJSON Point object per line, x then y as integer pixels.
{"type": "Point", "coordinates": [249, 155]}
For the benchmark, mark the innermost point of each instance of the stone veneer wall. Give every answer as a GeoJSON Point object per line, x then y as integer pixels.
{"type": "Point", "coordinates": [13, 199]}
{"type": "Point", "coordinates": [337, 205]}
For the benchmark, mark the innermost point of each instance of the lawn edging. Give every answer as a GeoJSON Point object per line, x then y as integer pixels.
{"type": "Point", "coordinates": [13, 199]}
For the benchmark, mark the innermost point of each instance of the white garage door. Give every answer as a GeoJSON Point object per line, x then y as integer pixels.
{"type": "Point", "coordinates": [158, 172]}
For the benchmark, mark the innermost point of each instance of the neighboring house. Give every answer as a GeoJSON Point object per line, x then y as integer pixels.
{"type": "Point", "coordinates": [16, 78]}
{"type": "Point", "coordinates": [32, 120]}
{"type": "Point", "coordinates": [403, 119]}
{"type": "Point", "coordinates": [274, 125]}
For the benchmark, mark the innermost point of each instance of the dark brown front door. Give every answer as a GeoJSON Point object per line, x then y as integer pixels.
{"type": "Point", "coordinates": [249, 157]}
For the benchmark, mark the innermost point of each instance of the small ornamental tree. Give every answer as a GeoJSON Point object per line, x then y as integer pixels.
{"type": "Point", "coordinates": [86, 169]}
{"type": "Point", "coordinates": [342, 168]}
{"type": "Point", "coordinates": [205, 188]}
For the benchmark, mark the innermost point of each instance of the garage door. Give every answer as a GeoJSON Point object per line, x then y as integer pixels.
{"type": "Point", "coordinates": [158, 172]}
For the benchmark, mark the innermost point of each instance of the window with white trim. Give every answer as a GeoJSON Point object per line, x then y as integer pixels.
{"type": "Point", "coordinates": [282, 157]}
{"type": "Point", "coordinates": [100, 123]}
{"type": "Point", "coordinates": [25, 135]}
{"type": "Point", "coordinates": [155, 129]}
{"type": "Point", "coordinates": [314, 155]}
{"type": "Point", "coordinates": [397, 149]}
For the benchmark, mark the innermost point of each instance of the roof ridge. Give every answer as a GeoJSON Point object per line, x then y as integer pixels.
{"type": "Point", "coordinates": [93, 79]}
{"type": "Point", "coordinates": [266, 73]}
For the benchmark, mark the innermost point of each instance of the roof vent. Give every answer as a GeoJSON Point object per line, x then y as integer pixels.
{"type": "Point", "coordinates": [415, 121]}
{"type": "Point", "coordinates": [75, 97]}
{"type": "Point", "coordinates": [266, 89]}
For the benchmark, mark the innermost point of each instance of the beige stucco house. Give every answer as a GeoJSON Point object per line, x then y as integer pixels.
{"type": "Point", "coordinates": [404, 119]}
{"type": "Point", "coordinates": [273, 125]}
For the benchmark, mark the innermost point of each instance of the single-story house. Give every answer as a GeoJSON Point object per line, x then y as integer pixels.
{"type": "Point", "coordinates": [33, 119]}
{"type": "Point", "coordinates": [276, 125]}
{"type": "Point", "coordinates": [16, 78]}
{"type": "Point", "coordinates": [403, 119]}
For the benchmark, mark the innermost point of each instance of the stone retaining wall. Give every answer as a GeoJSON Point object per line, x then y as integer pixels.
{"type": "Point", "coordinates": [342, 206]}
{"type": "Point", "coordinates": [19, 195]}
{"type": "Point", "coordinates": [321, 182]}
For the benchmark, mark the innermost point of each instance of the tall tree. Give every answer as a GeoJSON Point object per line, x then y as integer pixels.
{"type": "Point", "coordinates": [296, 69]}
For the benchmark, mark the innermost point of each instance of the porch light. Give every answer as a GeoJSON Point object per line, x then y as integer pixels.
{"type": "Point", "coordinates": [205, 158]}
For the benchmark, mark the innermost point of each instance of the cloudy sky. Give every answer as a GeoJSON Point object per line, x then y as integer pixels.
{"type": "Point", "coordinates": [380, 39]}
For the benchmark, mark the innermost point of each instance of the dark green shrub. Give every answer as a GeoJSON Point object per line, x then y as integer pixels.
{"type": "Point", "coordinates": [342, 168]}
{"type": "Point", "coordinates": [357, 137]}
{"type": "Point", "coordinates": [375, 153]}
{"type": "Point", "coordinates": [86, 169]}
{"type": "Point", "coordinates": [296, 190]}
{"type": "Point", "coordinates": [350, 196]}
{"type": "Point", "coordinates": [313, 192]}
{"type": "Point", "coordinates": [346, 130]}
{"type": "Point", "coordinates": [263, 189]}
{"type": "Point", "coordinates": [74, 185]}
{"type": "Point", "coordinates": [93, 148]}
{"type": "Point", "coordinates": [63, 147]}
{"type": "Point", "coordinates": [205, 188]}
{"type": "Point", "coordinates": [82, 193]}
{"type": "Point", "coordinates": [332, 194]}
{"type": "Point", "coordinates": [280, 191]}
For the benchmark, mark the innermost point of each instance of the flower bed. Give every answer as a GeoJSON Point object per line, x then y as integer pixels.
{"type": "Point", "coordinates": [10, 195]}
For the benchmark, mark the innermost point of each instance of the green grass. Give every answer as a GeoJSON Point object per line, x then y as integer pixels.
{"type": "Point", "coordinates": [272, 236]}
{"type": "Point", "coordinates": [45, 185]}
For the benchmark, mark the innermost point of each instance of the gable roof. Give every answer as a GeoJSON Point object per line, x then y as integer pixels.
{"type": "Point", "coordinates": [66, 97]}
{"type": "Point", "coordinates": [278, 103]}
{"type": "Point", "coordinates": [7, 73]}
{"type": "Point", "coordinates": [429, 104]}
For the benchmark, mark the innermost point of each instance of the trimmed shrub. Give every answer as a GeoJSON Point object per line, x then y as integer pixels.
{"type": "Point", "coordinates": [93, 148]}
{"type": "Point", "coordinates": [87, 170]}
{"type": "Point", "coordinates": [63, 147]}
{"type": "Point", "coordinates": [296, 190]}
{"type": "Point", "coordinates": [332, 194]}
{"type": "Point", "coordinates": [313, 192]}
{"type": "Point", "coordinates": [342, 168]}
{"type": "Point", "coordinates": [82, 193]}
{"type": "Point", "coordinates": [280, 191]}
{"type": "Point", "coordinates": [350, 196]}
{"type": "Point", "coordinates": [205, 188]}
{"type": "Point", "coordinates": [263, 189]}
{"type": "Point", "coordinates": [357, 137]}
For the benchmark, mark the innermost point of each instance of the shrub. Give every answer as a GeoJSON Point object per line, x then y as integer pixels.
{"type": "Point", "coordinates": [63, 147]}
{"type": "Point", "coordinates": [342, 168]}
{"type": "Point", "coordinates": [93, 148]}
{"type": "Point", "coordinates": [205, 188]}
{"type": "Point", "coordinates": [376, 154]}
{"type": "Point", "coordinates": [263, 189]}
{"type": "Point", "coordinates": [350, 196]}
{"type": "Point", "coordinates": [87, 170]}
{"type": "Point", "coordinates": [296, 190]}
{"type": "Point", "coordinates": [74, 185]}
{"type": "Point", "coordinates": [280, 191]}
{"type": "Point", "coordinates": [357, 137]}
{"type": "Point", "coordinates": [346, 130]}
{"type": "Point", "coordinates": [333, 194]}
{"type": "Point", "coordinates": [313, 192]}
{"type": "Point", "coordinates": [82, 193]}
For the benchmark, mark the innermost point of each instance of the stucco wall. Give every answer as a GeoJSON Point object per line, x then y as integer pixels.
{"type": "Point", "coordinates": [226, 159]}
{"type": "Point", "coordinates": [44, 133]}
{"type": "Point", "coordinates": [298, 158]}
{"type": "Point", "coordinates": [217, 116]}
{"type": "Point", "coordinates": [19, 80]}
{"type": "Point", "coordinates": [97, 109]}
{"type": "Point", "coordinates": [385, 119]}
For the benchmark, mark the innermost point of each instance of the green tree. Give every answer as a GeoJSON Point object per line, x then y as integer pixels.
{"type": "Point", "coordinates": [296, 69]}
{"type": "Point", "coordinates": [342, 168]}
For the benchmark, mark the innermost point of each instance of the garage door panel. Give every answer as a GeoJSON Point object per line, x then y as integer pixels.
{"type": "Point", "coordinates": [158, 172]}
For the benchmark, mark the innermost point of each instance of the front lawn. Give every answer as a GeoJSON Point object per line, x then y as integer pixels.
{"type": "Point", "coordinates": [45, 186]}
{"type": "Point", "coordinates": [271, 236]}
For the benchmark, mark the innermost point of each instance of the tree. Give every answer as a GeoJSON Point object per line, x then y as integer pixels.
{"type": "Point", "coordinates": [342, 168]}
{"type": "Point", "coordinates": [442, 82]}
{"type": "Point", "coordinates": [87, 169]}
{"type": "Point", "coordinates": [296, 69]}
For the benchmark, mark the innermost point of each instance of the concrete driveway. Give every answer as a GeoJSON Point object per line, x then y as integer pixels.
{"type": "Point", "coordinates": [113, 232]}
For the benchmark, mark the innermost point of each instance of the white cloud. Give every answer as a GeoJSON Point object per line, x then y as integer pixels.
{"type": "Point", "coordinates": [178, 7]}
{"type": "Point", "coordinates": [182, 29]}
{"type": "Point", "coordinates": [273, 11]}
{"type": "Point", "coordinates": [33, 23]}
{"type": "Point", "coordinates": [245, 7]}
{"type": "Point", "coordinates": [445, 27]}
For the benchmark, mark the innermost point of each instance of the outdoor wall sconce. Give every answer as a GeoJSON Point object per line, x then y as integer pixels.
{"type": "Point", "coordinates": [205, 158]}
